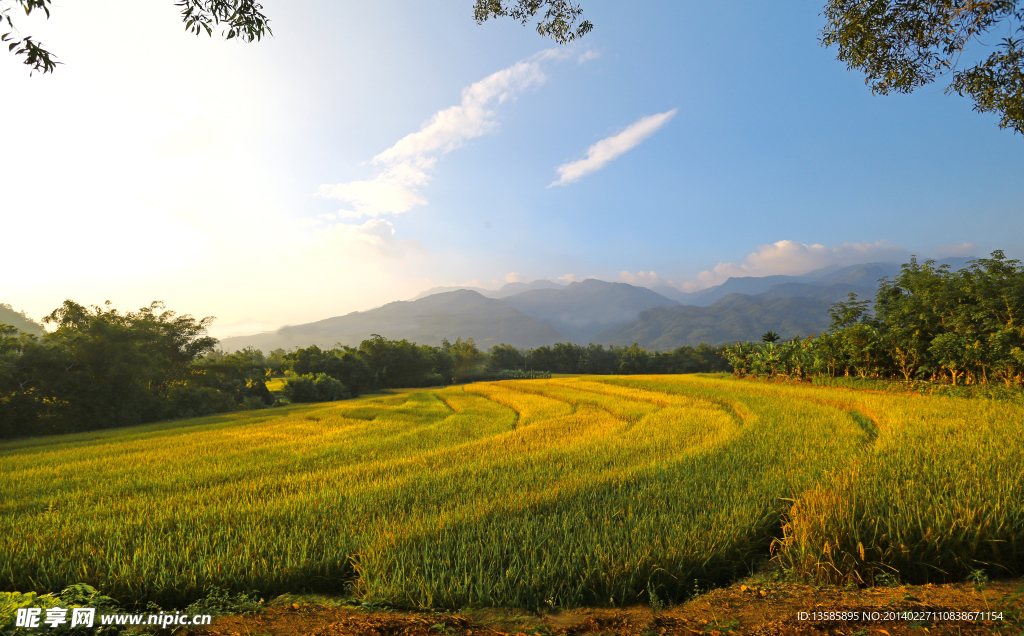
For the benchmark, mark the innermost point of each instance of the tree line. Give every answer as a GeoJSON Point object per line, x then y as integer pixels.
{"type": "Point", "coordinates": [928, 323]}
{"type": "Point", "coordinates": [101, 368]}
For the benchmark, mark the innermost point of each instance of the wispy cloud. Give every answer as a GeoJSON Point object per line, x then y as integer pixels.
{"type": "Point", "coordinates": [610, 148]}
{"type": "Point", "coordinates": [403, 168]}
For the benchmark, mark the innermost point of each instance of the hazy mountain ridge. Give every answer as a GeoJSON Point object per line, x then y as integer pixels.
{"type": "Point", "coordinates": [456, 314]}
{"type": "Point", "coordinates": [508, 289]}
{"type": "Point", "coordinates": [583, 309]}
{"type": "Point", "coordinates": [528, 315]}
{"type": "Point", "coordinates": [735, 318]}
{"type": "Point", "coordinates": [19, 320]}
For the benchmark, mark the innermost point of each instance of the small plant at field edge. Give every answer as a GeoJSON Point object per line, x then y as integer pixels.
{"type": "Point", "coordinates": [979, 578]}
{"type": "Point", "coordinates": [219, 601]}
{"type": "Point", "coordinates": [656, 604]}
{"type": "Point", "coordinates": [887, 579]}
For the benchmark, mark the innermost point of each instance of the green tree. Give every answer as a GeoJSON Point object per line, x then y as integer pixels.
{"type": "Point", "coordinates": [561, 20]}
{"type": "Point", "coordinates": [467, 360]}
{"type": "Point", "coordinates": [318, 387]}
{"type": "Point", "coordinates": [99, 368]}
{"type": "Point", "coordinates": [850, 312]}
{"type": "Point", "coordinates": [634, 360]}
{"type": "Point", "coordinates": [344, 364]}
{"type": "Point", "coordinates": [902, 45]}
{"type": "Point", "coordinates": [243, 19]}
{"type": "Point", "coordinates": [600, 361]}
{"type": "Point", "coordinates": [505, 356]}
{"type": "Point", "coordinates": [399, 363]}
{"type": "Point", "coordinates": [241, 374]}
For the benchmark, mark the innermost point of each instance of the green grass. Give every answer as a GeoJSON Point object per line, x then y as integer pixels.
{"type": "Point", "coordinates": [571, 491]}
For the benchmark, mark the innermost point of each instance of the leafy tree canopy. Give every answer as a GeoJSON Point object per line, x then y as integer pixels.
{"type": "Point", "coordinates": [561, 20]}
{"type": "Point", "coordinates": [242, 19]}
{"type": "Point", "coordinates": [901, 45]}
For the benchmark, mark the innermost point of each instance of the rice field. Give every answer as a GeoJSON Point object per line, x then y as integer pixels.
{"type": "Point", "coordinates": [590, 490]}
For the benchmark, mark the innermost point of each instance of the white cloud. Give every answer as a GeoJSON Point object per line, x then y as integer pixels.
{"type": "Point", "coordinates": [370, 198]}
{"type": "Point", "coordinates": [374, 239]}
{"type": "Point", "coordinates": [964, 249]}
{"type": "Point", "coordinates": [569, 278]}
{"type": "Point", "coordinates": [610, 148]}
{"type": "Point", "coordinates": [514, 277]}
{"type": "Point", "coordinates": [794, 258]}
{"type": "Point", "coordinates": [402, 168]}
{"type": "Point", "coordinates": [644, 279]}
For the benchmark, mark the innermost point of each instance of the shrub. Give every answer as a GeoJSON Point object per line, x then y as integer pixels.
{"type": "Point", "coordinates": [315, 388]}
{"type": "Point", "coordinates": [197, 401]}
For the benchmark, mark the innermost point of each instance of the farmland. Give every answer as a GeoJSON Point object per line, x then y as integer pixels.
{"type": "Point", "coordinates": [589, 490]}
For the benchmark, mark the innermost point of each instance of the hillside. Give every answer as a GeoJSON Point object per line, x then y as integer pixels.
{"type": "Point", "coordinates": [451, 315]}
{"type": "Point", "coordinates": [861, 279]}
{"type": "Point", "coordinates": [582, 310]}
{"type": "Point", "coordinates": [19, 320]}
{"type": "Point", "coordinates": [508, 289]}
{"type": "Point", "coordinates": [735, 318]}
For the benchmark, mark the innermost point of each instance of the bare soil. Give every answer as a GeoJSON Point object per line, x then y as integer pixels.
{"type": "Point", "coordinates": [743, 609]}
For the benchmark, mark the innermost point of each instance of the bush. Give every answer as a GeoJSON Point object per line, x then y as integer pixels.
{"type": "Point", "coordinates": [519, 374]}
{"type": "Point", "coordinates": [197, 401]}
{"type": "Point", "coordinates": [315, 388]}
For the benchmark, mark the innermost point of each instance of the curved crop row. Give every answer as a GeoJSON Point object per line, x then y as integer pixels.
{"type": "Point", "coordinates": [588, 490]}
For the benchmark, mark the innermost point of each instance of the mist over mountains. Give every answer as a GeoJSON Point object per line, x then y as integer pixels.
{"type": "Point", "coordinates": [529, 315]}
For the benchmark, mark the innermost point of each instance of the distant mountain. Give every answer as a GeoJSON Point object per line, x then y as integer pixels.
{"type": "Point", "coordinates": [542, 312]}
{"type": "Point", "coordinates": [672, 293]}
{"type": "Point", "coordinates": [451, 315]}
{"type": "Point", "coordinates": [583, 309]}
{"type": "Point", "coordinates": [508, 289]}
{"type": "Point", "coordinates": [861, 279]}
{"type": "Point", "coordinates": [831, 293]}
{"type": "Point", "coordinates": [511, 289]}
{"type": "Point", "coordinates": [444, 290]}
{"type": "Point", "coordinates": [735, 318]}
{"type": "Point", "coordinates": [19, 320]}
{"type": "Point", "coordinates": [865, 275]}
{"type": "Point", "coordinates": [733, 285]}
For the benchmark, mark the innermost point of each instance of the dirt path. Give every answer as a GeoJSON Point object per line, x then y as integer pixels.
{"type": "Point", "coordinates": [739, 610]}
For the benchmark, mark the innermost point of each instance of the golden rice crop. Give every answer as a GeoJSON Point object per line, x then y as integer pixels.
{"type": "Point", "coordinates": [587, 490]}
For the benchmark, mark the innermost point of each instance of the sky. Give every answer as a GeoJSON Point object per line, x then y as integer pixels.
{"type": "Point", "coordinates": [369, 151]}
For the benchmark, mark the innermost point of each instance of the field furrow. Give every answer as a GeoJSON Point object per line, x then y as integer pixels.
{"type": "Point", "coordinates": [575, 490]}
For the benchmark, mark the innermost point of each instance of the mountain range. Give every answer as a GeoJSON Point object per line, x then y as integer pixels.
{"type": "Point", "coordinates": [528, 315]}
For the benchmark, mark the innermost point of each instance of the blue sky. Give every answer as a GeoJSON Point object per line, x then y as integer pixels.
{"type": "Point", "coordinates": [369, 151]}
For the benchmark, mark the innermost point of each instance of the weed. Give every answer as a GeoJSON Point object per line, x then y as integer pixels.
{"type": "Point", "coordinates": [219, 601]}
{"type": "Point", "coordinates": [655, 600]}
{"type": "Point", "coordinates": [887, 579]}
